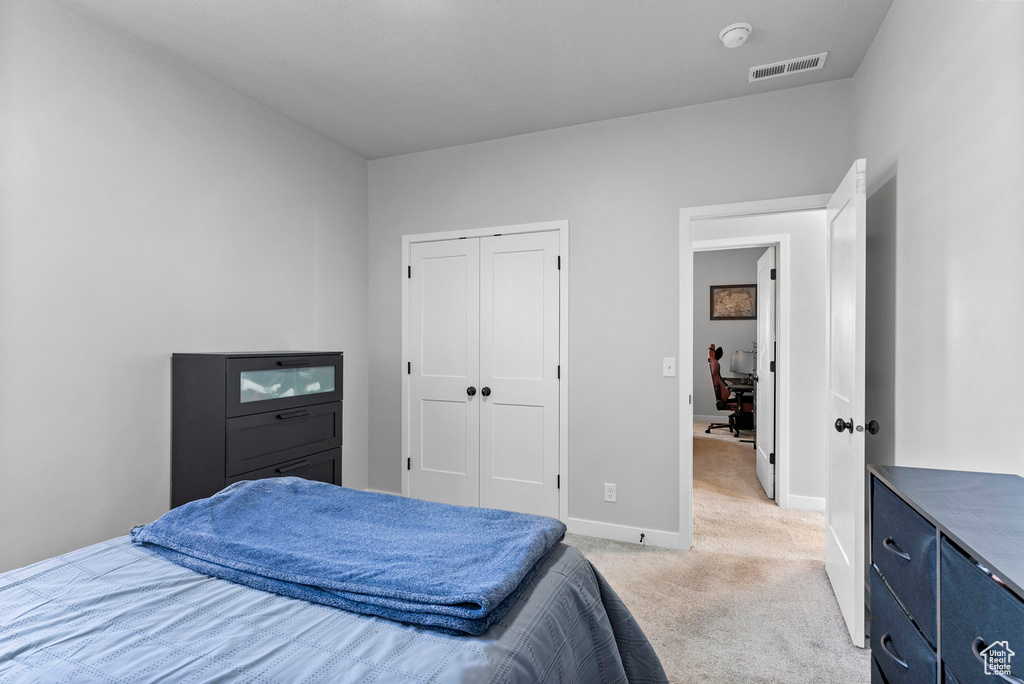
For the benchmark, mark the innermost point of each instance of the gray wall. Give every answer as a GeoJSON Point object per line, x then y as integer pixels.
{"type": "Point", "coordinates": [938, 105]}
{"type": "Point", "coordinates": [620, 183]}
{"type": "Point", "coordinates": [880, 324]}
{"type": "Point", "coordinates": [146, 209]}
{"type": "Point", "coordinates": [726, 267]}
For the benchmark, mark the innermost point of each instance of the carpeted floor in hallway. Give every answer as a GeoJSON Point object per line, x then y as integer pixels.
{"type": "Point", "coordinates": [750, 601]}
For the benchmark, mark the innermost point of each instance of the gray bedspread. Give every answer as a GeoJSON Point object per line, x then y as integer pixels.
{"type": "Point", "coordinates": [115, 612]}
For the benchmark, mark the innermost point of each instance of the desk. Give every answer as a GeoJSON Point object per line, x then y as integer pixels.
{"type": "Point", "coordinates": [741, 388]}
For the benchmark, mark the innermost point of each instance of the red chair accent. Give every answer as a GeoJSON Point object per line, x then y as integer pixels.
{"type": "Point", "coordinates": [724, 399]}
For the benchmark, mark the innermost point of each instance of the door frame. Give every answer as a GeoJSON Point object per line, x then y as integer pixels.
{"type": "Point", "coordinates": [562, 228]}
{"type": "Point", "coordinates": [782, 351]}
{"type": "Point", "coordinates": [687, 246]}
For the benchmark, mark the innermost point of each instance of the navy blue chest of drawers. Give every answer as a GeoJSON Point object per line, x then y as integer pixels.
{"type": "Point", "coordinates": [946, 576]}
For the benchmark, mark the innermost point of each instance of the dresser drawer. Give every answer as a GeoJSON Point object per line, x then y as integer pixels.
{"type": "Point", "coordinates": [277, 383]}
{"type": "Point", "coordinates": [977, 612]}
{"type": "Point", "coordinates": [903, 550]}
{"type": "Point", "coordinates": [266, 439]}
{"type": "Point", "coordinates": [323, 467]}
{"type": "Point", "coordinates": [902, 653]}
{"type": "Point", "coordinates": [876, 674]}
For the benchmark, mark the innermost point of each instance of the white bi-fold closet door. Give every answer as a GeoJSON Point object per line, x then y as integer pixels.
{"type": "Point", "coordinates": [483, 385]}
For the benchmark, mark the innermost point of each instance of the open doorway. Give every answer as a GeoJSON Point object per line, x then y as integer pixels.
{"type": "Point", "coordinates": [735, 336]}
{"type": "Point", "coordinates": [818, 379]}
{"type": "Point", "coordinates": [792, 233]}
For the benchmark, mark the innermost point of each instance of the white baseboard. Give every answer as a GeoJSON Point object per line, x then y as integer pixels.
{"type": "Point", "coordinates": [806, 503]}
{"type": "Point", "coordinates": [623, 533]}
{"type": "Point", "coordinates": [601, 530]}
{"type": "Point", "coordinates": [721, 418]}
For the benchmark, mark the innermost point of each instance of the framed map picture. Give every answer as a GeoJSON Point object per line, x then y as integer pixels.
{"type": "Point", "coordinates": [734, 302]}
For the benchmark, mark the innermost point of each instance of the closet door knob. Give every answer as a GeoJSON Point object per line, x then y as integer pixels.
{"type": "Point", "coordinates": [486, 391]}
{"type": "Point", "coordinates": [471, 391]}
{"type": "Point", "coordinates": [842, 425]}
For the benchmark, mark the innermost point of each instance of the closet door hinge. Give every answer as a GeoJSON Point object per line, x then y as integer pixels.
{"type": "Point", "coordinates": [408, 464]}
{"type": "Point", "coordinates": [409, 271]}
{"type": "Point", "coordinates": [558, 482]}
{"type": "Point", "coordinates": [773, 274]}
{"type": "Point", "coordinates": [408, 367]}
{"type": "Point", "coordinates": [559, 262]}
{"type": "Point", "coordinates": [558, 372]}
{"type": "Point", "coordinates": [771, 458]}
{"type": "Point", "coordinates": [771, 366]}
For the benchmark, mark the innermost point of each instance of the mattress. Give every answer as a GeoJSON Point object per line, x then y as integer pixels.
{"type": "Point", "coordinates": [116, 612]}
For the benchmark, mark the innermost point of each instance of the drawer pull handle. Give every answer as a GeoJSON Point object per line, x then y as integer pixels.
{"type": "Point", "coordinates": [885, 641]}
{"type": "Point", "coordinates": [293, 466]}
{"type": "Point", "coordinates": [293, 363]}
{"type": "Point", "coordinates": [302, 413]}
{"type": "Point", "coordinates": [978, 646]}
{"type": "Point", "coordinates": [891, 547]}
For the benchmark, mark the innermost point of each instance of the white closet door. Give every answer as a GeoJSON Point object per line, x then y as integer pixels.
{"type": "Point", "coordinates": [444, 426]}
{"type": "Point", "coordinates": [519, 314]}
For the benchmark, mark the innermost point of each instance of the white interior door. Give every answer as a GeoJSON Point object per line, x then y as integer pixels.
{"type": "Point", "coordinates": [519, 341]}
{"type": "Point", "coordinates": [845, 488]}
{"type": "Point", "coordinates": [765, 441]}
{"type": "Point", "coordinates": [444, 424]}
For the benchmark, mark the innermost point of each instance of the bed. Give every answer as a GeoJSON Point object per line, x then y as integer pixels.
{"type": "Point", "coordinates": [119, 612]}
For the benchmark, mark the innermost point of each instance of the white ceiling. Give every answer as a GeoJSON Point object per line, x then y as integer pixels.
{"type": "Point", "coordinates": [386, 77]}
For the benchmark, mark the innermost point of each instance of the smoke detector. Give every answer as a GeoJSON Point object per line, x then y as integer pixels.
{"type": "Point", "coordinates": [734, 35]}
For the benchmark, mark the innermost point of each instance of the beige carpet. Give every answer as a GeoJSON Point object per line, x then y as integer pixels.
{"type": "Point", "coordinates": [750, 602]}
{"type": "Point", "coordinates": [722, 433]}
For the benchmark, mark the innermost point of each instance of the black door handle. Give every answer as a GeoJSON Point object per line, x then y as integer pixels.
{"type": "Point", "coordinates": [471, 391]}
{"type": "Point", "coordinates": [844, 425]}
{"type": "Point", "coordinates": [286, 363]}
{"type": "Point", "coordinates": [873, 427]}
{"type": "Point", "coordinates": [293, 466]}
{"type": "Point", "coordinates": [301, 413]}
{"type": "Point", "coordinates": [486, 391]}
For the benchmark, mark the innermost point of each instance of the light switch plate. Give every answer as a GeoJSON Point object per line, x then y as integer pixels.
{"type": "Point", "coordinates": [668, 367]}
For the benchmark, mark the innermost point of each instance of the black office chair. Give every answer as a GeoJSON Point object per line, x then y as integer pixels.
{"type": "Point", "coordinates": [725, 400]}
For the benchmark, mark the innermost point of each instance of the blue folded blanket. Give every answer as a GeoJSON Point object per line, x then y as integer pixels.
{"type": "Point", "coordinates": [452, 568]}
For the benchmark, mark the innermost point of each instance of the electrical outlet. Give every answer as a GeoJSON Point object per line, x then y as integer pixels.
{"type": "Point", "coordinates": [609, 492]}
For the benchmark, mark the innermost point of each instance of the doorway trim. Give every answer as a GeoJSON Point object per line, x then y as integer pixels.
{"type": "Point", "coordinates": [782, 332]}
{"type": "Point", "coordinates": [687, 246]}
{"type": "Point", "coordinates": [562, 228]}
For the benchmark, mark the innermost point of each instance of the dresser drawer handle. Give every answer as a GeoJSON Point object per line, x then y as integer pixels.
{"type": "Point", "coordinates": [891, 547]}
{"type": "Point", "coordinates": [886, 640]}
{"type": "Point", "coordinates": [978, 646]}
{"type": "Point", "coordinates": [293, 466]}
{"type": "Point", "coordinates": [302, 413]}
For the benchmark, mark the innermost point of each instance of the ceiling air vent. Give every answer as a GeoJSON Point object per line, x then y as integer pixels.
{"type": "Point", "coordinates": [790, 66]}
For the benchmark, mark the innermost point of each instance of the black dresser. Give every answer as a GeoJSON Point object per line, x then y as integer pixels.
{"type": "Point", "coordinates": [248, 416]}
{"type": "Point", "coordinates": [947, 576]}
